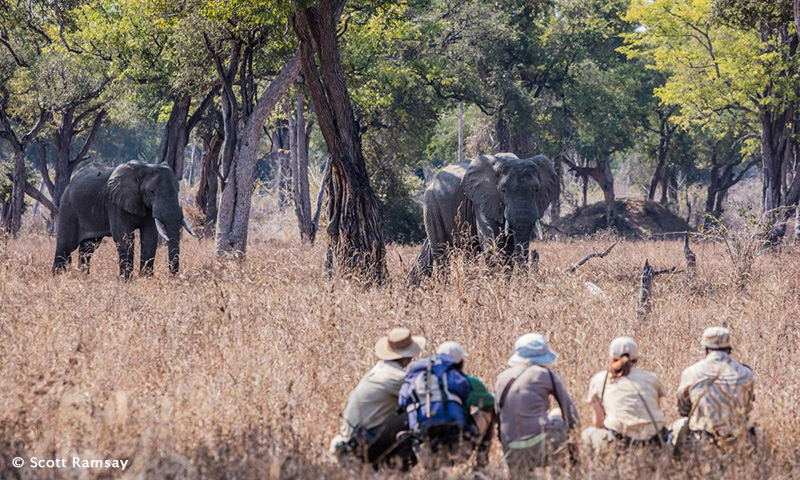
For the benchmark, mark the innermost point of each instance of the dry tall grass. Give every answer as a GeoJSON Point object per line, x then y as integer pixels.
{"type": "Point", "coordinates": [240, 370]}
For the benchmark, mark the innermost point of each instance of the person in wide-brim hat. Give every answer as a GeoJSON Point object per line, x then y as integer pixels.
{"type": "Point", "coordinates": [531, 432]}
{"type": "Point", "coordinates": [532, 348]}
{"type": "Point", "coordinates": [371, 420]}
{"type": "Point", "coordinates": [399, 343]}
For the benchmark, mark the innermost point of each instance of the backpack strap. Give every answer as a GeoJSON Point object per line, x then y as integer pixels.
{"type": "Point", "coordinates": [603, 391]}
{"type": "Point", "coordinates": [503, 396]}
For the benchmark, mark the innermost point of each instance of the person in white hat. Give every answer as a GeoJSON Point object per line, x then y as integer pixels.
{"type": "Point", "coordinates": [480, 402]}
{"type": "Point", "coordinates": [372, 419]}
{"type": "Point", "coordinates": [715, 396]}
{"type": "Point", "coordinates": [529, 431]}
{"type": "Point", "coordinates": [626, 402]}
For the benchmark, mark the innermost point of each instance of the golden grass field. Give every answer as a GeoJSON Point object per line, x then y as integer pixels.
{"type": "Point", "coordinates": [240, 370]}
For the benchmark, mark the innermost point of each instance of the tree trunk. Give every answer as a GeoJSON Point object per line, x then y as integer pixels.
{"type": "Point", "coordinates": [237, 191]}
{"type": "Point", "coordinates": [208, 186]}
{"type": "Point", "coordinates": [179, 125]}
{"type": "Point", "coordinates": [18, 182]}
{"type": "Point", "coordinates": [606, 182]}
{"type": "Point", "coordinates": [555, 207]}
{"type": "Point", "coordinates": [192, 166]}
{"type": "Point", "coordinates": [65, 164]}
{"type": "Point", "coordinates": [775, 150]}
{"type": "Point", "coordinates": [282, 148]}
{"type": "Point", "coordinates": [300, 189]}
{"type": "Point", "coordinates": [175, 137]}
{"type": "Point", "coordinates": [355, 240]}
{"type": "Point", "coordinates": [461, 131]}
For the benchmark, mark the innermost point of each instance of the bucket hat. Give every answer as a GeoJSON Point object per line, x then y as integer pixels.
{"type": "Point", "coordinates": [532, 348]}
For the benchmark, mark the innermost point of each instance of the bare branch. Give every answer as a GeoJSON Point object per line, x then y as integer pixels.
{"type": "Point", "coordinates": [591, 256]}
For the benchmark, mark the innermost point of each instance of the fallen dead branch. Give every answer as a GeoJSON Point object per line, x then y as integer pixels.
{"type": "Point", "coordinates": [589, 257]}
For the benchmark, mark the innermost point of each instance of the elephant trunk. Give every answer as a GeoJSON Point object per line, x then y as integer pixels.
{"type": "Point", "coordinates": [169, 221]}
{"type": "Point", "coordinates": [523, 223]}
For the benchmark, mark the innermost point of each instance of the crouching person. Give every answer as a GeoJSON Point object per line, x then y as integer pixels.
{"type": "Point", "coordinates": [481, 419]}
{"type": "Point", "coordinates": [715, 397]}
{"type": "Point", "coordinates": [373, 426]}
{"type": "Point", "coordinates": [531, 433]}
{"type": "Point", "coordinates": [434, 395]}
{"type": "Point", "coordinates": [626, 403]}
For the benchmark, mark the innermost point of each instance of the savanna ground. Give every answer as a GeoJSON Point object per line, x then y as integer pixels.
{"type": "Point", "coordinates": [240, 370]}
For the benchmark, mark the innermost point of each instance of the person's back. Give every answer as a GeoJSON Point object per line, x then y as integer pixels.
{"type": "Point", "coordinates": [530, 434]}
{"type": "Point", "coordinates": [721, 392]}
{"type": "Point", "coordinates": [374, 399]}
{"type": "Point", "coordinates": [524, 413]}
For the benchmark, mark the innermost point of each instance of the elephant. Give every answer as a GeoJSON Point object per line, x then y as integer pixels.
{"type": "Point", "coordinates": [490, 201]}
{"type": "Point", "coordinates": [102, 201]}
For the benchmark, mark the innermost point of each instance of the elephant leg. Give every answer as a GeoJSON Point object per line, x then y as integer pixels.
{"type": "Point", "coordinates": [423, 265]}
{"type": "Point", "coordinates": [148, 239]}
{"type": "Point", "coordinates": [63, 256]}
{"type": "Point", "coordinates": [85, 251]}
{"type": "Point", "coordinates": [66, 242]}
{"type": "Point", "coordinates": [125, 250]}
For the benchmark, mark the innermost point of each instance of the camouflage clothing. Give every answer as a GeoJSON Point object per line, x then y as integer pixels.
{"type": "Point", "coordinates": [718, 392]}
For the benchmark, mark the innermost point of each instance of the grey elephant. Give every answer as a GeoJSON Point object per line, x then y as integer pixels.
{"type": "Point", "coordinates": [493, 200]}
{"type": "Point", "coordinates": [102, 201]}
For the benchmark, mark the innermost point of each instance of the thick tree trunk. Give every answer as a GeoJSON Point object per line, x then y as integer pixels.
{"type": "Point", "coordinates": [18, 182]}
{"type": "Point", "coordinates": [300, 190]}
{"type": "Point", "coordinates": [208, 186]}
{"type": "Point", "coordinates": [355, 240]}
{"type": "Point", "coordinates": [237, 191]}
{"type": "Point", "coordinates": [175, 137]}
{"type": "Point", "coordinates": [179, 125]}
{"type": "Point", "coordinates": [65, 164]}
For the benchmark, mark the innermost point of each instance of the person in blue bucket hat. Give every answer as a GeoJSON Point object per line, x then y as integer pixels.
{"type": "Point", "coordinates": [531, 432]}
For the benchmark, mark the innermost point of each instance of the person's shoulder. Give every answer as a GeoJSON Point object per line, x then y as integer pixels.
{"type": "Point", "coordinates": [599, 377]}
{"type": "Point", "coordinates": [744, 371]}
{"type": "Point", "coordinates": [644, 374]}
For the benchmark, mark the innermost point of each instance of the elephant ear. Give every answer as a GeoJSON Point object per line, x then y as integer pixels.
{"type": "Point", "coordinates": [480, 184]}
{"type": "Point", "coordinates": [123, 188]}
{"type": "Point", "coordinates": [548, 183]}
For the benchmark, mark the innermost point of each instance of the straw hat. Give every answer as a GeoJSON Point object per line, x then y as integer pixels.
{"type": "Point", "coordinates": [532, 348]}
{"type": "Point", "coordinates": [454, 350]}
{"type": "Point", "coordinates": [399, 344]}
{"type": "Point", "coordinates": [717, 337]}
{"type": "Point", "coordinates": [623, 346]}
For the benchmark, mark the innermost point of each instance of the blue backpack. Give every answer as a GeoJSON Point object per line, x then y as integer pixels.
{"type": "Point", "coordinates": [449, 389]}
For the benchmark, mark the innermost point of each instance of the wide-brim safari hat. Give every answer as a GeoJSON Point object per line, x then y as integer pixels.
{"type": "Point", "coordinates": [399, 343]}
{"type": "Point", "coordinates": [532, 348]}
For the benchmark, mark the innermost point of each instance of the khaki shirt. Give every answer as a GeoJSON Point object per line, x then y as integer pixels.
{"type": "Point", "coordinates": [625, 412]}
{"type": "Point", "coordinates": [375, 399]}
{"type": "Point", "coordinates": [722, 391]}
{"type": "Point", "coordinates": [524, 412]}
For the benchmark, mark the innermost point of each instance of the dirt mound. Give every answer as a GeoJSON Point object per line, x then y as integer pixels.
{"type": "Point", "coordinates": [634, 218]}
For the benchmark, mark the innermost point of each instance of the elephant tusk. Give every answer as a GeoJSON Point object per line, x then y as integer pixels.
{"type": "Point", "coordinates": [539, 230]}
{"type": "Point", "coordinates": [507, 229]}
{"type": "Point", "coordinates": [188, 228]}
{"type": "Point", "coordinates": [161, 230]}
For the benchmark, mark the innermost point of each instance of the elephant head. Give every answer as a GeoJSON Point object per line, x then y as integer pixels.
{"type": "Point", "coordinates": [510, 195]}
{"type": "Point", "coordinates": [145, 189]}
